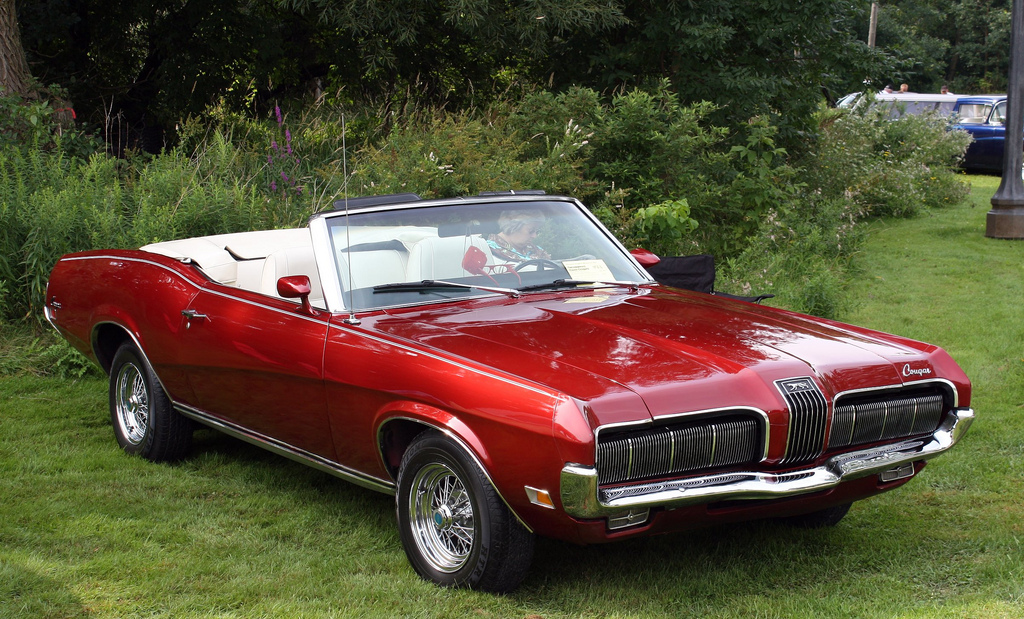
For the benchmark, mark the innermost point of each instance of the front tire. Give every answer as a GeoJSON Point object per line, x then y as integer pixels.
{"type": "Point", "coordinates": [456, 530]}
{"type": "Point", "coordinates": [144, 421]}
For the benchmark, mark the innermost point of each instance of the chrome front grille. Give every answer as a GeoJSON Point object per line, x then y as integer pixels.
{"type": "Point", "coordinates": [881, 416]}
{"type": "Point", "coordinates": [808, 419]}
{"type": "Point", "coordinates": [670, 450]}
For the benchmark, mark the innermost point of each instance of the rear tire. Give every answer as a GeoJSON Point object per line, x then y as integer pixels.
{"type": "Point", "coordinates": [828, 517]}
{"type": "Point", "coordinates": [456, 530]}
{"type": "Point", "coordinates": [144, 421]}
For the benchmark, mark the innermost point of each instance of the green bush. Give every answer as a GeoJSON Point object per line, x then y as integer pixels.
{"type": "Point", "coordinates": [447, 156]}
{"type": "Point", "coordinates": [649, 144]}
{"type": "Point", "coordinates": [46, 123]}
{"type": "Point", "coordinates": [802, 256]}
{"type": "Point", "coordinates": [888, 167]}
{"type": "Point", "coordinates": [863, 164]}
{"type": "Point", "coordinates": [660, 228]}
{"type": "Point", "coordinates": [650, 168]}
{"type": "Point", "coordinates": [639, 148]}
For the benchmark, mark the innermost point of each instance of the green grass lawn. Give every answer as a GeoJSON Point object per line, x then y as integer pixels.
{"type": "Point", "coordinates": [86, 531]}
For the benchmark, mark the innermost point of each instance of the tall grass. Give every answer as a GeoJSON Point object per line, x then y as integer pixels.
{"type": "Point", "coordinates": [51, 204]}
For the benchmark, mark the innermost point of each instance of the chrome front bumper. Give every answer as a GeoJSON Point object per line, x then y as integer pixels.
{"type": "Point", "coordinates": [582, 498]}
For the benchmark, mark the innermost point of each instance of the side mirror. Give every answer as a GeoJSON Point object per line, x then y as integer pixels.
{"type": "Point", "coordinates": [297, 287]}
{"type": "Point", "coordinates": [644, 257]}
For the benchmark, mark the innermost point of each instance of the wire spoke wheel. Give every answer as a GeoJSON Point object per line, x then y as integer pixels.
{"type": "Point", "coordinates": [442, 518]}
{"type": "Point", "coordinates": [455, 528]}
{"type": "Point", "coordinates": [132, 403]}
{"type": "Point", "coordinates": [145, 422]}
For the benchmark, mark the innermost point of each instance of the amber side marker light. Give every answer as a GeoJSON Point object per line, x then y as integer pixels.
{"type": "Point", "coordinates": [539, 497]}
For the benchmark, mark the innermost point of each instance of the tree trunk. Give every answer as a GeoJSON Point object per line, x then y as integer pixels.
{"type": "Point", "coordinates": [15, 76]}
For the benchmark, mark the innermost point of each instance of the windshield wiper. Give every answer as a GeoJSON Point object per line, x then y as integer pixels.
{"type": "Point", "coordinates": [573, 283]}
{"type": "Point", "coordinates": [431, 284]}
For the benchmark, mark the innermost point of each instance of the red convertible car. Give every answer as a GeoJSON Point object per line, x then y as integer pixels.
{"type": "Point", "coordinates": [506, 369]}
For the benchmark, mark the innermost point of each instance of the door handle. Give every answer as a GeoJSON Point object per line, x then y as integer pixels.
{"type": "Point", "coordinates": [190, 315]}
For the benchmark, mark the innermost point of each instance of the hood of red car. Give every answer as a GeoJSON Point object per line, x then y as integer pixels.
{"type": "Point", "coordinates": [677, 351]}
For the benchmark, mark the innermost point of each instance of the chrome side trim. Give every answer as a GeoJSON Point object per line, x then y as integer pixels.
{"type": "Point", "coordinates": [130, 259]}
{"type": "Point", "coordinates": [50, 318]}
{"type": "Point", "coordinates": [290, 313]}
{"type": "Point", "coordinates": [284, 449]}
{"type": "Point", "coordinates": [582, 498]}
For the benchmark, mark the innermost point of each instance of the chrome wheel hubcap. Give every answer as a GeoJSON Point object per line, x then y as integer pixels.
{"type": "Point", "coordinates": [441, 516]}
{"type": "Point", "coordinates": [132, 403]}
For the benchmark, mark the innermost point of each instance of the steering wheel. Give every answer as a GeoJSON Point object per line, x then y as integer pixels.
{"type": "Point", "coordinates": [542, 264]}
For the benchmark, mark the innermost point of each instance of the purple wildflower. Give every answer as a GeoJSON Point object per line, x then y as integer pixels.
{"type": "Point", "coordinates": [284, 176]}
{"type": "Point", "coordinates": [273, 186]}
{"type": "Point", "coordinates": [277, 111]}
{"type": "Point", "coordinates": [273, 144]}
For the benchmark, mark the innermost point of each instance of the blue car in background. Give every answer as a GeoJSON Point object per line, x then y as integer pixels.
{"type": "Point", "coordinates": [984, 117]}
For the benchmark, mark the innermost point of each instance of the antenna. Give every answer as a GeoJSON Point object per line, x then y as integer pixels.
{"type": "Point", "coordinates": [351, 320]}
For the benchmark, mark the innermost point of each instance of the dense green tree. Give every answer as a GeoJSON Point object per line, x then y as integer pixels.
{"type": "Point", "coordinates": [141, 65]}
{"type": "Point", "coordinates": [775, 58]}
{"type": "Point", "coordinates": [964, 44]}
{"type": "Point", "coordinates": [450, 50]}
{"type": "Point", "coordinates": [138, 66]}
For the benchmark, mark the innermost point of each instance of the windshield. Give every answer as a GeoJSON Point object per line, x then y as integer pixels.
{"type": "Point", "coordinates": [486, 248]}
{"type": "Point", "coordinates": [999, 113]}
{"type": "Point", "coordinates": [974, 113]}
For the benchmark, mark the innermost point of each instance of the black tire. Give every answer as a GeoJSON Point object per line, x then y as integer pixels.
{"type": "Point", "coordinates": [456, 530]}
{"type": "Point", "coordinates": [828, 517]}
{"type": "Point", "coordinates": [144, 421]}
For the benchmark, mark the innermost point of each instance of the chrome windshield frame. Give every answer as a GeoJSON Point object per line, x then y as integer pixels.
{"type": "Point", "coordinates": [320, 224]}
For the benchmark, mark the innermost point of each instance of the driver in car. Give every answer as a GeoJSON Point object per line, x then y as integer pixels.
{"type": "Point", "coordinates": [514, 242]}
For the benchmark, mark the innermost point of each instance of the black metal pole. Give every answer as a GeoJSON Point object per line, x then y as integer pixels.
{"type": "Point", "coordinates": [1006, 219]}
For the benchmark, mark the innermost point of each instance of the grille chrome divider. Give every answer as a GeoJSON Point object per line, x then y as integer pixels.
{"type": "Point", "coordinates": [808, 419]}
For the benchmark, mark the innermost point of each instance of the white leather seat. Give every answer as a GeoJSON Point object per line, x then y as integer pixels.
{"type": "Point", "coordinates": [441, 257]}
{"type": "Point", "coordinates": [373, 268]}
{"type": "Point", "coordinates": [292, 261]}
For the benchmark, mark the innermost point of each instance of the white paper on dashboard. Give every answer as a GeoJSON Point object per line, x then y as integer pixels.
{"type": "Point", "coordinates": [589, 270]}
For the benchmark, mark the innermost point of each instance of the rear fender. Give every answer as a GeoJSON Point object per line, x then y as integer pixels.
{"type": "Point", "coordinates": [112, 326]}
